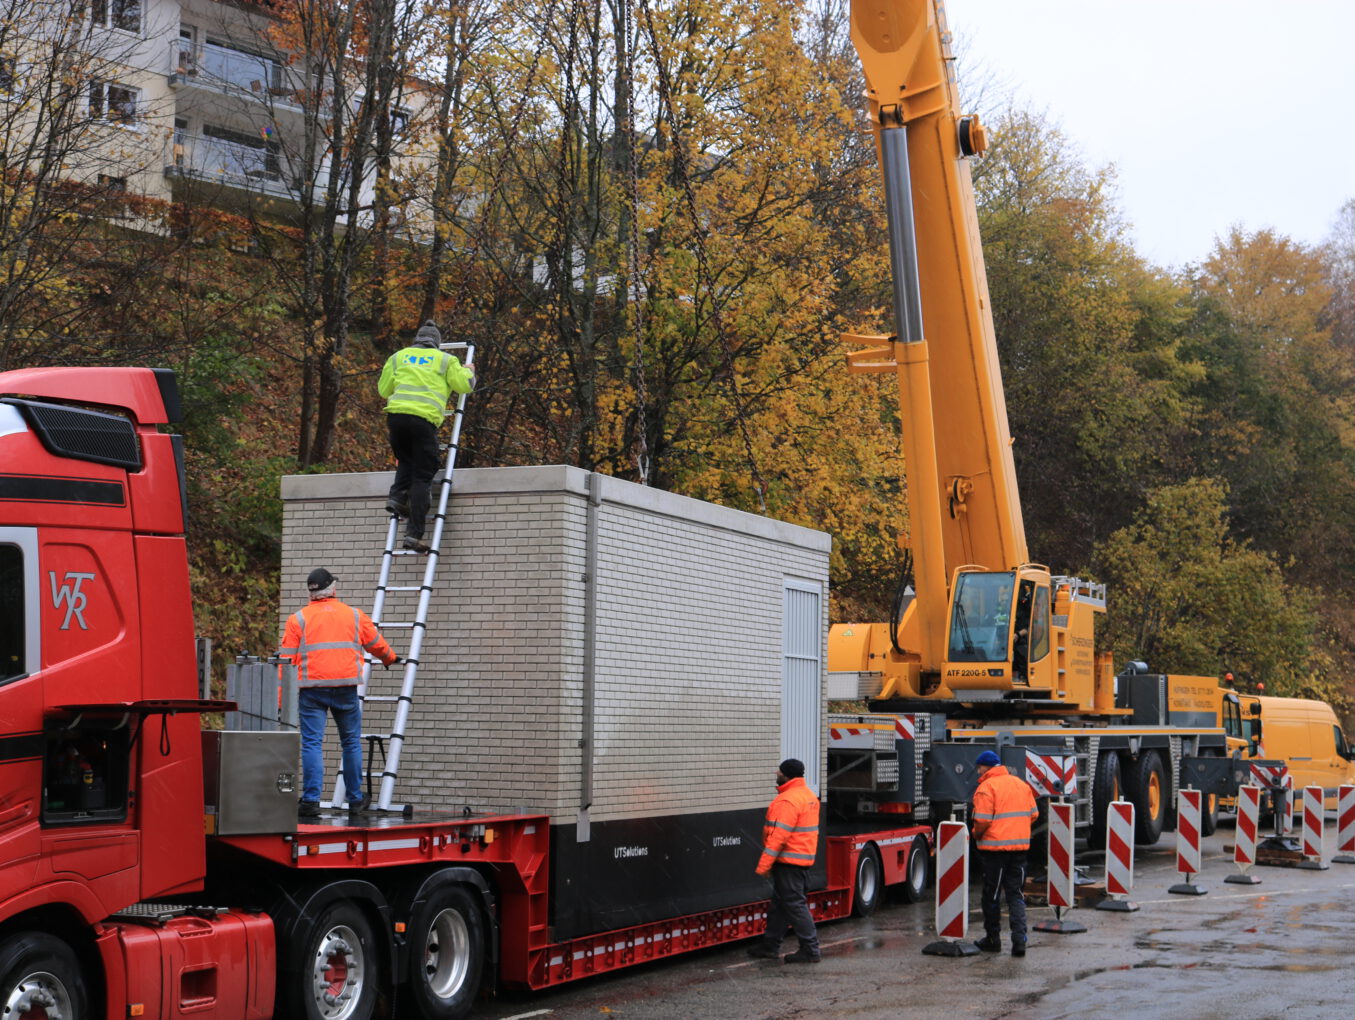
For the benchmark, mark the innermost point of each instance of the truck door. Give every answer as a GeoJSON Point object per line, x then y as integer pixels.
{"type": "Point", "coordinates": [21, 744]}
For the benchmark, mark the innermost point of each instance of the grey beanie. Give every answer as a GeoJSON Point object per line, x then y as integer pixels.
{"type": "Point", "coordinates": [428, 335]}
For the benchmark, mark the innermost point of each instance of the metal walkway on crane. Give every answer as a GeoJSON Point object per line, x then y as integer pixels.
{"type": "Point", "coordinates": [392, 743]}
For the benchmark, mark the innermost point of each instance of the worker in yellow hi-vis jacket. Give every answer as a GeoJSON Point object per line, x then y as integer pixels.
{"type": "Point", "coordinates": [417, 382]}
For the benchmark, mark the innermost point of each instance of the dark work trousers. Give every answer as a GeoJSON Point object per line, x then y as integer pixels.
{"type": "Point", "coordinates": [414, 441]}
{"type": "Point", "coordinates": [1004, 872]}
{"type": "Point", "coordinates": [790, 907]}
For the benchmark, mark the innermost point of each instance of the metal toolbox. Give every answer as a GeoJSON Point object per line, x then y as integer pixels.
{"type": "Point", "coordinates": [250, 781]}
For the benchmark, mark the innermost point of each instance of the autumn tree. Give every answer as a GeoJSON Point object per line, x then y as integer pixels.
{"type": "Point", "coordinates": [1089, 338]}
{"type": "Point", "coordinates": [1188, 598]}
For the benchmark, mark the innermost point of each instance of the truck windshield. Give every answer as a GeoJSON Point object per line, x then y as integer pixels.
{"type": "Point", "coordinates": [981, 621]}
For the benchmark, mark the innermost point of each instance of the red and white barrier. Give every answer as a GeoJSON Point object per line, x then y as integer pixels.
{"type": "Point", "coordinates": [1287, 815]}
{"type": "Point", "coordinates": [1052, 775]}
{"type": "Point", "coordinates": [1345, 825]}
{"type": "Point", "coordinates": [1119, 856]}
{"type": "Point", "coordinates": [1061, 883]}
{"type": "Point", "coordinates": [1314, 818]}
{"type": "Point", "coordinates": [1188, 813]}
{"type": "Point", "coordinates": [952, 891]}
{"type": "Point", "coordinates": [1248, 828]}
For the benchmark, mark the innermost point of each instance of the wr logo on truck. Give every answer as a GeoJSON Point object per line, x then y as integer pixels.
{"type": "Point", "coordinates": [71, 596]}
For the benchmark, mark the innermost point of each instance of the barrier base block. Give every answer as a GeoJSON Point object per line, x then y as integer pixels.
{"type": "Point", "coordinates": [949, 947]}
{"type": "Point", "coordinates": [1343, 859]}
{"type": "Point", "coordinates": [1311, 865]}
{"type": "Point", "coordinates": [1243, 880]}
{"type": "Point", "coordinates": [1059, 927]}
{"type": "Point", "coordinates": [1187, 889]}
{"type": "Point", "coordinates": [1120, 905]}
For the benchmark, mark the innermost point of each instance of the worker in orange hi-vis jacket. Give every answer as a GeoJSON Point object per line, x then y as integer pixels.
{"type": "Point", "coordinates": [790, 839]}
{"type": "Point", "coordinates": [1004, 808]}
{"type": "Point", "coordinates": [326, 640]}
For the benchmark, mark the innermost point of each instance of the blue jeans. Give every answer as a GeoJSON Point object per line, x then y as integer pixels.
{"type": "Point", "coordinates": [343, 704]}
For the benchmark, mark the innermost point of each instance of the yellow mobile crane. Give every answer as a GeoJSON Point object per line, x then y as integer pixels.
{"type": "Point", "coordinates": [986, 624]}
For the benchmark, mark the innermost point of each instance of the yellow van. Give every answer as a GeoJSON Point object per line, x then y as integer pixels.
{"type": "Point", "coordinates": [1306, 735]}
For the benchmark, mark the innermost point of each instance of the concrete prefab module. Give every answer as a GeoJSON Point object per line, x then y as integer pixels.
{"type": "Point", "coordinates": [641, 702]}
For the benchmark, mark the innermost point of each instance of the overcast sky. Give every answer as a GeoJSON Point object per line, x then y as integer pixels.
{"type": "Point", "coordinates": [1214, 112]}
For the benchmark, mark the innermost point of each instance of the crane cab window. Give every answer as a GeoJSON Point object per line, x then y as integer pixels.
{"type": "Point", "coordinates": [1232, 718]}
{"type": "Point", "coordinates": [1039, 625]}
{"type": "Point", "coordinates": [84, 775]}
{"type": "Point", "coordinates": [981, 625]}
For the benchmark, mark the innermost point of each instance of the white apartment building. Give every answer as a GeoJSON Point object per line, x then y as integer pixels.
{"type": "Point", "coordinates": [184, 97]}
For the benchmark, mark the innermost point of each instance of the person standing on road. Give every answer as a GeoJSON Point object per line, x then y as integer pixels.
{"type": "Point", "coordinates": [1004, 807]}
{"type": "Point", "coordinates": [326, 640]}
{"type": "Point", "coordinates": [417, 382]}
{"type": "Point", "coordinates": [790, 840]}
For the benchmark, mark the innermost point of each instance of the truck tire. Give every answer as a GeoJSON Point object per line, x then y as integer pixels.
{"type": "Point", "coordinates": [447, 951]}
{"type": "Point", "coordinates": [1105, 788]}
{"type": "Point", "coordinates": [40, 976]}
{"type": "Point", "coordinates": [917, 870]}
{"type": "Point", "coordinates": [1146, 785]}
{"type": "Point", "coordinates": [1209, 814]}
{"type": "Point", "coordinates": [869, 882]}
{"type": "Point", "coordinates": [341, 971]}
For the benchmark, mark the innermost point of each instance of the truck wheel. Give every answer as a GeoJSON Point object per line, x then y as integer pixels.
{"type": "Point", "coordinates": [1147, 788]}
{"type": "Point", "coordinates": [340, 972]}
{"type": "Point", "coordinates": [41, 978]}
{"type": "Point", "coordinates": [1105, 788]}
{"type": "Point", "coordinates": [446, 952]}
{"type": "Point", "coordinates": [869, 882]}
{"type": "Point", "coordinates": [917, 871]}
{"type": "Point", "coordinates": [1209, 814]}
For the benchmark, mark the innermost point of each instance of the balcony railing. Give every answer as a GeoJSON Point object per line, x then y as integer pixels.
{"type": "Point", "coordinates": [223, 69]}
{"type": "Point", "coordinates": [260, 168]}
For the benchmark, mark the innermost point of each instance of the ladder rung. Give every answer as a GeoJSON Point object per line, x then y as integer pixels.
{"type": "Point", "coordinates": [381, 697]}
{"type": "Point", "coordinates": [404, 587]}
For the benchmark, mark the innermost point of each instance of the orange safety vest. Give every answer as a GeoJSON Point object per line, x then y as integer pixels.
{"type": "Point", "coordinates": [791, 832]}
{"type": "Point", "coordinates": [326, 640]}
{"type": "Point", "coordinates": [1004, 807]}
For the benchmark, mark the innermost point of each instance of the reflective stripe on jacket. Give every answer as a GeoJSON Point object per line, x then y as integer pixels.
{"type": "Point", "coordinates": [791, 832]}
{"type": "Point", "coordinates": [326, 640]}
{"type": "Point", "coordinates": [419, 380]}
{"type": "Point", "coordinates": [1004, 807]}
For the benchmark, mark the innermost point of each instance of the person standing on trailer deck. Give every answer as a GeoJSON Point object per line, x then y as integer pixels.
{"type": "Point", "coordinates": [417, 382]}
{"type": "Point", "coordinates": [790, 839]}
{"type": "Point", "coordinates": [1004, 807]}
{"type": "Point", "coordinates": [326, 640]}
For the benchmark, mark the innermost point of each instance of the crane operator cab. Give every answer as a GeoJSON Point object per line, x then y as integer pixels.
{"type": "Point", "coordinates": [999, 630]}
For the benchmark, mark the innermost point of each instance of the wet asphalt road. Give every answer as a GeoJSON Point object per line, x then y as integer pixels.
{"type": "Point", "coordinates": [1284, 948]}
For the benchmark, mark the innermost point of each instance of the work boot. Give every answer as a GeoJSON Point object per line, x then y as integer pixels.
{"type": "Point", "coordinates": [764, 949]}
{"type": "Point", "coordinates": [359, 807]}
{"type": "Point", "coordinates": [1018, 949]}
{"type": "Point", "coordinates": [397, 508]}
{"type": "Point", "coordinates": [308, 809]}
{"type": "Point", "coordinates": [803, 955]}
{"type": "Point", "coordinates": [417, 545]}
{"type": "Point", "coordinates": [990, 944]}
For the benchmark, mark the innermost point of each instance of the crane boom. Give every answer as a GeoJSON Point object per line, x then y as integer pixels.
{"type": "Point", "coordinates": [964, 510]}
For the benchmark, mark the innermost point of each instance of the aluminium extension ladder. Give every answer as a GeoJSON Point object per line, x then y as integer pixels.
{"type": "Point", "coordinates": [417, 626]}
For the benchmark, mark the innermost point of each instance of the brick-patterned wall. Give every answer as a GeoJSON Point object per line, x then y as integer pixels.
{"type": "Point", "coordinates": [688, 652]}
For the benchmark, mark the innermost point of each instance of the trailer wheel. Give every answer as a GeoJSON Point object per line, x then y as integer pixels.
{"type": "Point", "coordinates": [917, 870]}
{"type": "Point", "coordinates": [869, 882]}
{"type": "Point", "coordinates": [1147, 788]}
{"type": "Point", "coordinates": [41, 978]}
{"type": "Point", "coordinates": [1105, 788]}
{"type": "Point", "coordinates": [340, 972]}
{"type": "Point", "coordinates": [447, 952]}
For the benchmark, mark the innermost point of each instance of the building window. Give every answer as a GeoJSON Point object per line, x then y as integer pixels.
{"type": "Point", "coordinates": [123, 14]}
{"type": "Point", "coordinates": [399, 122]}
{"type": "Point", "coordinates": [111, 102]}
